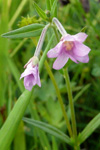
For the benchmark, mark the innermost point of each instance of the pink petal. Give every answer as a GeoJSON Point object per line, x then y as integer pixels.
{"type": "Point", "coordinates": [84, 59]}
{"type": "Point", "coordinates": [72, 56]}
{"type": "Point", "coordinates": [55, 51]}
{"type": "Point", "coordinates": [80, 36]}
{"type": "Point", "coordinates": [68, 37]}
{"type": "Point", "coordinates": [29, 70]}
{"type": "Point", "coordinates": [29, 82]}
{"type": "Point", "coordinates": [60, 61]}
{"type": "Point", "coordinates": [38, 80]}
{"type": "Point", "coordinates": [80, 49]}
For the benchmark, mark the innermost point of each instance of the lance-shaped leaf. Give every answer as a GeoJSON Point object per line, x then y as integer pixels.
{"type": "Point", "coordinates": [25, 32]}
{"type": "Point", "coordinates": [51, 2]}
{"type": "Point", "coordinates": [48, 4]}
{"type": "Point", "coordinates": [8, 130]}
{"type": "Point", "coordinates": [89, 129]}
{"type": "Point", "coordinates": [49, 129]}
{"type": "Point", "coordinates": [54, 8]}
{"type": "Point", "coordinates": [40, 12]}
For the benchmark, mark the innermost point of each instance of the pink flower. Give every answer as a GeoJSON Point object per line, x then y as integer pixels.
{"type": "Point", "coordinates": [70, 46]}
{"type": "Point", "coordinates": [31, 76]}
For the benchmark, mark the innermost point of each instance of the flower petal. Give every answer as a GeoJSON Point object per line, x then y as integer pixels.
{"type": "Point", "coordinates": [60, 61]}
{"type": "Point", "coordinates": [72, 56]}
{"type": "Point", "coordinates": [29, 70]}
{"type": "Point", "coordinates": [38, 81]}
{"type": "Point", "coordinates": [38, 78]}
{"type": "Point", "coordinates": [80, 49]}
{"type": "Point", "coordinates": [84, 59]}
{"type": "Point", "coordinates": [68, 37]}
{"type": "Point", "coordinates": [80, 36]}
{"type": "Point", "coordinates": [29, 82]}
{"type": "Point", "coordinates": [54, 52]}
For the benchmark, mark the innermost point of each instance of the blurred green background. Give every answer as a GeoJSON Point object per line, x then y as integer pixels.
{"type": "Point", "coordinates": [76, 16]}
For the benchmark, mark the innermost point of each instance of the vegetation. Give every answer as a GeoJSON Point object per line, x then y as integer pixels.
{"type": "Point", "coordinates": [40, 107]}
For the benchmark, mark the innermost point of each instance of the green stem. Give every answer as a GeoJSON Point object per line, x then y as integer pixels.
{"type": "Point", "coordinates": [71, 103]}
{"type": "Point", "coordinates": [42, 60]}
{"type": "Point", "coordinates": [77, 147]}
{"type": "Point", "coordinates": [56, 33]}
{"type": "Point", "coordinates": [59, 97]}
{"type": "Point", "coordinates": [18, 47]}
{"type": "Point", "coordinates": [42, 136]}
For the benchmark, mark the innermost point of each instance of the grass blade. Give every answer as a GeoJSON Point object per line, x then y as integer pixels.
{"type": "Point", "coordinates": [49, 129]}
{"type": "Point", "coordinates": [8, 130]}
{"type": "Point", "coordinates": [19, 140]}
{"type": "Point", "coordinates": [48, 4]}
{"type": "Point", "coordinates": [89, 129]}
{"type": "Point", "coordinates": [53, 8]}
{"type": "Point", "coordinates": [40, 12]}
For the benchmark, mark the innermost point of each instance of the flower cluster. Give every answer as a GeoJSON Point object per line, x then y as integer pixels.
{"type": "Point", "coordinates": [70, 46]}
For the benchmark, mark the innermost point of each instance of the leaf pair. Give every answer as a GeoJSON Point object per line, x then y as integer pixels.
{"type": "Point", "coordinates": [51, 6]}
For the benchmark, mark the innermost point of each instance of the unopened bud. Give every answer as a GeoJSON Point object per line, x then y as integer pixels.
{"type": "Point", "coordinates": [35, 61]}
{"type": "Point", "coordinates": [48, 14]}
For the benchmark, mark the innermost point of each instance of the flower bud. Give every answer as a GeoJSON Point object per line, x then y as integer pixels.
{"type": "Point", "coordinates": [35, 61]}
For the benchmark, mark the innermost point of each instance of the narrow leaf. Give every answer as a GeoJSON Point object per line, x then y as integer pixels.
{"type": "Point", "coordinates": [51, 2]}
{"type": "Point", "coordinates": [48, 4]}
{"type": "Point", "coordinates": [40, 12]}
{"type": "Point", "coordinates": [19, 140]}
{"type": "Point", "coordinates": [49, 129]}
{"type": "Point", "coordinates": [8, 130]}
{"type": "Point", "coordinates": [44, 141]}
{"type": "Point", "coordinates": [53, 8]}
{"type": "Point", "coordinates": [24, 32]}
{"type": "Point", "coordinates": [89, 129]}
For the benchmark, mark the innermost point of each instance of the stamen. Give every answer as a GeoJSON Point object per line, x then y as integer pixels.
{"type": "Point", "coordinates": [69, 45]}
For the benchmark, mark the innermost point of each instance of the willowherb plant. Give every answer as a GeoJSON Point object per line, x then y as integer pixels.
{"type": "Point", "coordinates": [69, 46]}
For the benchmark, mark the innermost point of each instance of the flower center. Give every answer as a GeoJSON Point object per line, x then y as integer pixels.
{"type": "Point", "coordinates": [68, 45]}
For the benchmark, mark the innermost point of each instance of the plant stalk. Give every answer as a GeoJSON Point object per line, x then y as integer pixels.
{"type": "Point", "coordinates": [59, 97]}
{"type": "Point", "coordinates": [71, 103]}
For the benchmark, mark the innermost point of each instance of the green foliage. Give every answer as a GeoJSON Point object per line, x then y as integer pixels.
{"type": "Point", "coordinates": [90, 128]}
{"type": "Point", "coordinates": [44, 108]}
{"type": "Point", "coordinates": [19, 140]}
{"type": "Point", "coordinates": [48, 4]}
{"type": "Point", "coordinates": [96, 71]}
{"type": "Point", "coordinates": [24, 32]}
{"type": "Point", "coordinates": [54, 9]}
{"type": "Point", "coordinates": [40, 12]}
{"type": "Point", "coordinates": [8, 130]}
{"type": "Point", "coordinates": [49, 129]}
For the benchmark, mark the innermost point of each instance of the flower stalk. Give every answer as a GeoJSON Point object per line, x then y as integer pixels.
{"type": "Point", "coordinates": [59, 98]}
{"type": "Point", "coordinates": [41, 40]}
{"type": "Point", "coordinates": [71, 103]}
{"type": "Point", "coordinates": [59, 26]}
